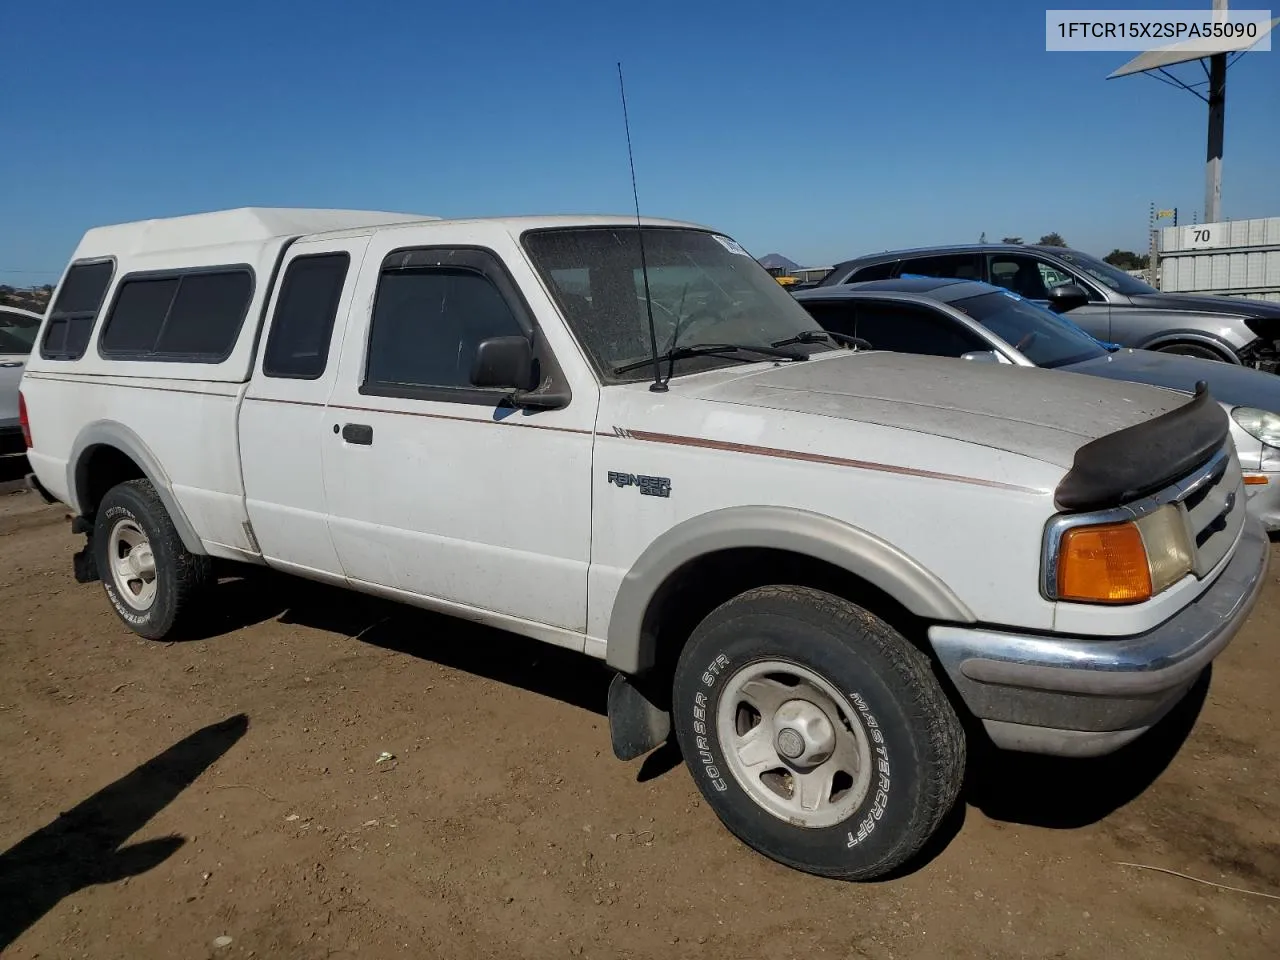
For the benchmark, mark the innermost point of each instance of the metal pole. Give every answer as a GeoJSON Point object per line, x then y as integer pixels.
{"type": "Point", "coordinates": [1153, 248]}
{"type": "Point", "coordinates": [1217, 126]}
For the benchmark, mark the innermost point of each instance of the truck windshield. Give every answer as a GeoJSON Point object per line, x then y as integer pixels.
{"type": "Point", "coordinates": [1041, 336]}
{"type": "Point", "coordinates": [704, 288]}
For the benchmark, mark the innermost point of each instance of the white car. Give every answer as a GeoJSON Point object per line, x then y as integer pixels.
{"type": "Point", "coordinates": [17, 334]}
{"type": "Point", "coordinates": [627, 439]}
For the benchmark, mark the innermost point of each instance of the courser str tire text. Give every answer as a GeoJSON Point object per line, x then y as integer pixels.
{"type": "Point", "coordinates": [151, 579]}
{"type": "Point", "coordinates": [817, 733]}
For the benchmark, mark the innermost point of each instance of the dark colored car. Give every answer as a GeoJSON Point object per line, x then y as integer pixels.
{"type": "Point", "coordinates": [1104, 300]}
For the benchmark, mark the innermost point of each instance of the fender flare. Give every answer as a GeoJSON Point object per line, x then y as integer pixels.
{"type": "Point", "coordinates": [865, 555]}
{"type": "Point", "coordinates": [1230, 352]}
{"type": "Point", "coordinates": [109, 433]}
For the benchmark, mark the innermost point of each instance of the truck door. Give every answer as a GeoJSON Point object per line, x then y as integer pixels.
{"type": "Point", "coordinates": [437, 490]}
{"type": "Point", "coordinates": [283, 422]}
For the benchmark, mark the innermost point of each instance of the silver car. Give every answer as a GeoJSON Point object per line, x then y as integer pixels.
{"type": "Point", "coordinates": [1105, 301]}
{"type": "Point", "coordinates": [18, 330]}
{"type": "Point", "coordinates": [978, 321]}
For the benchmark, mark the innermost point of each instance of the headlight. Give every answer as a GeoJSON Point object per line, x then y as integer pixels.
{"type": "Point", "coordinates": [1259, 424]}
{"type": "Point", "coordinates": [1124, 562]}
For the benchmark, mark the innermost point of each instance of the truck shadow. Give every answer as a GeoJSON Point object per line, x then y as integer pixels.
{"type": "Point", "coordinates": [506, 658]}
{"type": "Point", "coordinates": [1016, 788]}
{"type": "Point", "coordinates": [1065, 794]}
{"type": "Point", "coordinates": [82, 847]}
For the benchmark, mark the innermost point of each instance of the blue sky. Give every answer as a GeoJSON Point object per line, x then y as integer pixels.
{"type": "Point", "coordinates": [819, 130]}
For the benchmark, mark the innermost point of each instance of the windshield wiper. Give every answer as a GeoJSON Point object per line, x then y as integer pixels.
{"type": "Point", "coordinates": [813, 336]}
{"type": "Point", "coordinates": [710, 349]}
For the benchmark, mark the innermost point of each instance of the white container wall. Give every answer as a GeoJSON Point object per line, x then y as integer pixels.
{"type": "Point", "coordinates": [1234, 258]}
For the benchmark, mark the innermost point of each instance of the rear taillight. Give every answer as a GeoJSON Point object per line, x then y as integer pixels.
{"type": "Point", "coordinates": [24, 420]}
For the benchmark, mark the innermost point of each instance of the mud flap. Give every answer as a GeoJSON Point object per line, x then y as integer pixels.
{"type": "Point", "coordinates": [636, 724]}
{"type": "Point", "coordinates": [83, 564]}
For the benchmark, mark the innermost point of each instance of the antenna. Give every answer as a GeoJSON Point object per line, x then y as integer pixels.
{"type": "Point", "coordinates": [658, 385]}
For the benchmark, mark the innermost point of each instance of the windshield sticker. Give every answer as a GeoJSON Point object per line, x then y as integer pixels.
{"type": "Point", "coordinates": [731, 245]}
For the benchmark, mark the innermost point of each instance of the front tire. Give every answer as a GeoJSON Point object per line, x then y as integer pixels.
{"type": "Point", "coordinates": [816, 732]}
{"type": "Point", "coordinates": [151, 579]}
{"type": "Point", "coordinates": [1193, 350]}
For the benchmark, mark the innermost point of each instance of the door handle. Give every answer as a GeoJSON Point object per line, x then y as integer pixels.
{"type": "Point", "coordinates": [360, 433]}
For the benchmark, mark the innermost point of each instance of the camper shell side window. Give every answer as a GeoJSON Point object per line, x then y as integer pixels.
{"type": "Point", "coordinates": [75, 310]}
{"type": "Point", "coordinates": [191, 315]}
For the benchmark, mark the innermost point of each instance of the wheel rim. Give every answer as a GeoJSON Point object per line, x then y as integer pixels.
{"type": "Point", "coordinates": [793, 743]}
{"type": "Point", "coordinates": [133, 564]}
{"type": "Point", "coordinates": [1188, 350]}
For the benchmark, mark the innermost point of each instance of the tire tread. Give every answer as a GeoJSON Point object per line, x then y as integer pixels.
{"type": "Point", "coordinates": [191, 572]}
{"type": "Point", "coordinates": [943, 760]}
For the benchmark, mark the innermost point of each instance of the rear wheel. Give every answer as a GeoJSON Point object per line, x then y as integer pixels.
{"type": "Point", "coordinates": [1192, 350]}
{"type": "Point", "coordinates": [816, 732]}
{"type": "Point", "coordinates": [151, 579]}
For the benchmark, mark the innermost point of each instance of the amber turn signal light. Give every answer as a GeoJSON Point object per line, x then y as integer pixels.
{"type": "Point", "coordinates": [1105, 563]}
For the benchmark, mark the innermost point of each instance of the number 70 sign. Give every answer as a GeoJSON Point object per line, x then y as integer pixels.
{"type": "Point", "coordinates": [1205, 236]}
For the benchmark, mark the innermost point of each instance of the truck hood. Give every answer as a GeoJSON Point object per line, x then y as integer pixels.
{"type": "Point", "coordinates": [1043, 414]}
{"type": "Point", "coordinates": [1202, 303]}
{"type": "Point", "coordinates": [1228, 383]}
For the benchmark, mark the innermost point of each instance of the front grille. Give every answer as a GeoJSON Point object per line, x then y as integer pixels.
{"type": "Point", "coordinates": [1215, 506]}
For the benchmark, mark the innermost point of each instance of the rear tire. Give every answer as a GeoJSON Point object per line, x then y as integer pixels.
{"type": "Point", "coordinates": [151, 579]}
{"type": "Point", "coordinates": [816, 732]}
{"type": "Point", "coordinates": [1193, 350]}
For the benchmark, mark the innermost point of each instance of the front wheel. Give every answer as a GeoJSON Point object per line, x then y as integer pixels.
{"type": "Point", "coordinates": [816, 732]}
{"type": "Point", "coordinates": [150, 577]}
{"type": "Point", "coordinates": [1192, 350]}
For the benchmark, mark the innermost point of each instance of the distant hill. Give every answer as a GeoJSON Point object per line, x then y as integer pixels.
{"type": "Point", "coordinates": [776, 261]}
{"type": "Point", "coordinates": [34, 299]}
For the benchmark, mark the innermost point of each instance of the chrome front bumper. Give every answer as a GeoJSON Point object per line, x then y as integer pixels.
{"type": "Point", "coordinates": [1080, 697]}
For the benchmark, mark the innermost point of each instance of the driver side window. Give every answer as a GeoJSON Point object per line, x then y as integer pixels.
{"type": "Point", "coordinates": [427, 323]}
{"type": "Point", "coordinates": [1052, 276]}
{"type": "Point", "coordinates": [1021, 274]}
{"type": "Point", "coordinates": [1032, 277]}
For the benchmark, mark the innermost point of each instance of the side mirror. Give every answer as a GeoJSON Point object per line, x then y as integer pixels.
{"type": "Point", "coordinates": [981, 356]}
{"type": "Point", "coordinates": [504, 362]}
{"type": "Point", "coordinates": [1067, 296]}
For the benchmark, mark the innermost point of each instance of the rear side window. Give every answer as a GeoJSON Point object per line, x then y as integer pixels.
{"type": "Point", "coordinates": [298, 345]}
{"type": "Point", "coordinates": [875, 271]}
{"type": "Point", "coordinates": [72, 315]}
{"type": "Point", "coordinates": [951, 266]}
{"type": "Point", "coordinates": [193, 316]}
{"type": "Point", "coordinates": [906, 328]}
{"type": "Point", "coordinates": [900, 327]}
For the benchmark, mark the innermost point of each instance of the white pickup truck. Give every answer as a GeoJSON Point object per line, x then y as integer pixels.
{"type": "Point", "coordinates": [823, 567]}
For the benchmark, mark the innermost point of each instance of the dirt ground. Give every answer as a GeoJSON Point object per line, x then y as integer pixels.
{"type": "Point", "coordinates": [158, 799]}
